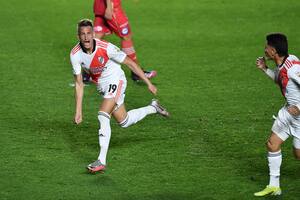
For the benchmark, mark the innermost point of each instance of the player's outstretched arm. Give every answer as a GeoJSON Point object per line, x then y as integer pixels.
{"type": "Point", "coordinates": [138, 71]}
{"type": "Point", "coordinates": [78, 98]}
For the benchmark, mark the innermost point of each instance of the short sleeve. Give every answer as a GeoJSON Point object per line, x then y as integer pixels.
{"type": "Point", "coordinates": [75, 61]}
{"type": "Point", "coordinates": [115, 53]}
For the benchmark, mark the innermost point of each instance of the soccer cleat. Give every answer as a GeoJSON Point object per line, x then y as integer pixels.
{"type": "Point", "coordinates": [149, 74]}
{"type": "Point", "coordinates": [96, 166]}
{"type": "Point", "coordinates": [269, 190]}
{"type": "Point", "coordinates": [160, 110]}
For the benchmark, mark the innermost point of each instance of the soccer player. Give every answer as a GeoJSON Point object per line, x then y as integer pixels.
{"type": "Point", "coordinates": [287, 123]}
{"type": "Point", "coordinates": [102, 60]}
{"type": "Point", "coordinates": [111, 18]}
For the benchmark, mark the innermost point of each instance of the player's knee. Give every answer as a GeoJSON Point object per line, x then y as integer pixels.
{"type": "Point", "coordinates": [104, 119]}
{"type": "Point", "coordinates": [297, 157]}
{"type": "Point", "coordinates": [297, 154]}
{"type": "Point", "coordinates": [125, 122]}
{"type": "Point", "coordinates": [272, 147]}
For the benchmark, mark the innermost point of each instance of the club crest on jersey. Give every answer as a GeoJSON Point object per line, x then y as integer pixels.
{"type": "Point", "coordinates": [298, 74]}
{"type": "Point", "coordinates": [101, 60]}
{"type": "Point", "coordinates": [124, 31]}
{"type": "Point", "coordinates": [82, 64]}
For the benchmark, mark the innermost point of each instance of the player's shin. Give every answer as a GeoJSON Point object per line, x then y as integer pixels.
{"type": "Point", "coordinates": [274, 160]}
{"type": "Point", "coordinates": [133, 116]}
{"type": "Point", "coordinates": [104, 135]}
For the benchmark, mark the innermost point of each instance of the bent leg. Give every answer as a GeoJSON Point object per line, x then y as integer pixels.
{"type": "Point", "coordinates": [274, 143]}
{"type": "Point", "coordinates": [296, 148]}
{"type": "Point", "coordinates": [104, 131]}
{"type": "Point", "coordinates": [131, 117]}
{"type": "Point", "coordinates": [274, 158]}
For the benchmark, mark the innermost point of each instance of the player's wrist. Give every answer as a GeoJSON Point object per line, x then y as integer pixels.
{"type": "Point", "coordinates": [265, 68]}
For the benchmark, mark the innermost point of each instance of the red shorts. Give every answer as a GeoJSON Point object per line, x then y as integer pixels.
{"type": "Point", "coordinates": [118, 24]}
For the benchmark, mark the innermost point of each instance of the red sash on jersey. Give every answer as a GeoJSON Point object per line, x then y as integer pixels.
{"type": "Point", "coordinates": [98, 63]}
{"type": "Point", "coordinates": [283, 79]}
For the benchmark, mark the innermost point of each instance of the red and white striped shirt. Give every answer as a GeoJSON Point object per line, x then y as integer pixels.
{"type": "Point", "coordinates": [104, 62]}
{"type": "Point", "coordinates": [288, 78]}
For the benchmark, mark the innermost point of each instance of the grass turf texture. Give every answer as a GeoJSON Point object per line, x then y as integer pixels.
{"type": "Point", "coordinates": [204, 51]}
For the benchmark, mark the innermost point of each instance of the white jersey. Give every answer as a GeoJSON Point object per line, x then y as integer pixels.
{"type": "Point", "coordinates": [103, 63]}
{"type": "Point", "coordinates": [287, 76]}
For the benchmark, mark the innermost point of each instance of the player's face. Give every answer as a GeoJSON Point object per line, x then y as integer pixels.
{"type": "Point", "coordinates": [270, 51]}
{"type": "Point", "coordinates": [86, 36]}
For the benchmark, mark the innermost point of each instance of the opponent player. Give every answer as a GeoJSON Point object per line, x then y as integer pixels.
{"type": "Point", "coordinates": [287, 76]}
{"type": "Point", "coordinates": [102, 60]}
{"type": "Point", "coordinates": [110, 17]}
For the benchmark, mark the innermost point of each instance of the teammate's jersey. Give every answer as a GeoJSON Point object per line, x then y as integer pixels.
{"type": "Point", "coordinates": [104, 62]}
{"type": "Point", "coordinates": [100, 6]}
{"type": "Point", "coordinates": [288, 77]}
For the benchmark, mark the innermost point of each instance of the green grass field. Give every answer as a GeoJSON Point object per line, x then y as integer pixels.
{"type": "Point", "coordinates": [204, 51]}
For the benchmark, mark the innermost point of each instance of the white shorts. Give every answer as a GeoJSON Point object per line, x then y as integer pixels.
{"type": "Point", "coordinates": [113, 88]}
{"type": "Point", "coordinates": [287, 125]}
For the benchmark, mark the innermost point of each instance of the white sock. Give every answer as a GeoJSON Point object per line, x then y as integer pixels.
{"type": "Point", "coordinates": [274, 159]}
{"type": "Point", "coordinates": [133, 116]}
{"type": "Point", "coordinates": [104, 135]}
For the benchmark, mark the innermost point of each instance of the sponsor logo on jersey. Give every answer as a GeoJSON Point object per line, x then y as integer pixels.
{"type": "Point", "coordinates": [124, 31]}
{"type": "Point", "coordinates": [97, 70]}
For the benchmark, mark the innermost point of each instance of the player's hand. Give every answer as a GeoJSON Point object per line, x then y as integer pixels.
{"type": "Point", "coordinates": [77, 118]}
{"type": "Point", "coordinates": [152, 89]}
{"type": "Point", "coordinates": [261, 63]}
{"type": "Point", "coordinates": [294, 110]}
{"type": "Point", "coordinates": [108, 13]}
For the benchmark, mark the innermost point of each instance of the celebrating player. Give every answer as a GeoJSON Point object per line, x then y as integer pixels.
{"type": "Point", "coordinates": [110, 17]}
{"type": "Point", "coordinates": [102, 60]}
{"type": "Point", "coordinates": [287, 123]}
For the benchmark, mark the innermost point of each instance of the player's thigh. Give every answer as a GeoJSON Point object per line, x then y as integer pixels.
{"type": "Point", "coordinates": [101, 27]}
{"type": "Point", "coordinates": [274, 142]}
{"type": "Point", "coordinates": [107, 105]}
{"type": "Point", "coordinates": [281, 130]}
{"type": "Point", "coordinates": [120, 24]}
{"type": "Point", "coordinates": [120, 113]}
{"type": "Point", "coordinates": [113, 90]}
{"type": "Point", "coordinates": [296, 149]}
